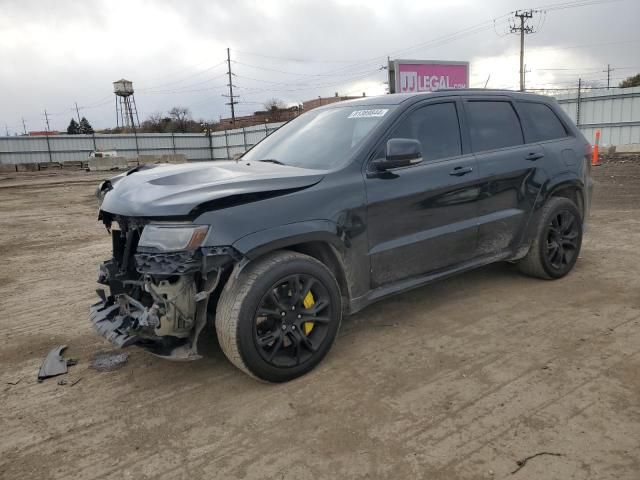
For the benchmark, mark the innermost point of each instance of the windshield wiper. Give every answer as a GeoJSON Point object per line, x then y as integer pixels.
{"type": "Point", "coordinates": [272, 160]}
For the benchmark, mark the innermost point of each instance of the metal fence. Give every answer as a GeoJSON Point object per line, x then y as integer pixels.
{"type": "Point", "coordinates": [195, 146]}
{"type": "Point", "coordinates": [616, 113]}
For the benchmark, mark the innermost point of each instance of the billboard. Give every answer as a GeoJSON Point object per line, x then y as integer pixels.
{"type": "Point", "coordinates": [411, 76]}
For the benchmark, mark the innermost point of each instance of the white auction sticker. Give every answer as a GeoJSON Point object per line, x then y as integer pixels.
{"type": "Point", "coordinates": [378, 112]}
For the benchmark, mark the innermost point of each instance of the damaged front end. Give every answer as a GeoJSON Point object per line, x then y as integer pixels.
{"type": "Point", "coordinates": [160, 281]}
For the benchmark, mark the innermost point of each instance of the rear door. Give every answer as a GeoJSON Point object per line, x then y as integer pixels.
{"type": "Point", "coordinates": [422, 218]}
{"type": "Point", "coordinates": [510, 172]}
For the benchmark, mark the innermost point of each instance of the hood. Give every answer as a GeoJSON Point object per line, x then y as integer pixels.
{"type": "Point", "coordinates": [175, 190]}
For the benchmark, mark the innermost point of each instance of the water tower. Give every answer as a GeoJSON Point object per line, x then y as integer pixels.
{"type": "Point", "coordinates": [126, 111]}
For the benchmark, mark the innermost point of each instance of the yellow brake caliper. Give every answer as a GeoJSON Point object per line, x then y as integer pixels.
{"type": "Point", "coordinates": [308, 302]}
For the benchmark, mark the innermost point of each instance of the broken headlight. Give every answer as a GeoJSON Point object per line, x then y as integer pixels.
{"type": "Point", "coordinates": [173, 238]}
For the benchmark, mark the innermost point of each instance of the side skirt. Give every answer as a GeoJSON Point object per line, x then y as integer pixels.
{"type": "Point", "coordinates": [405, 285]}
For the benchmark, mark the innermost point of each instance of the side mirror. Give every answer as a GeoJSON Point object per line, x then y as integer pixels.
{"type": "Point", "coordinates": [401, 152]}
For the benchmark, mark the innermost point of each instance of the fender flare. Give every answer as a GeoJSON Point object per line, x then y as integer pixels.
{"type": "Point", "coordinates": [258, 243]}
{"type": "Point", "coordinates": [560, 182]}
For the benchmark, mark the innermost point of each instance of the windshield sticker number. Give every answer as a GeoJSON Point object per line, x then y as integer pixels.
{"type": "Point", "coordinates": [378, 112]}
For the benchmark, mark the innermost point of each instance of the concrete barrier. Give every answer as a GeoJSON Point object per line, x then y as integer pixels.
{"type": "Point", "coordinates": [72, 164]}
{"type": "Point", "coordinates": [631, 148]}
{"type": "Point", "coordinates": [142, 159]}
{"type": "Point", "coordinates": [108, 163]}
{"type": "Point", "coordinates": [174, 158]}
{"type": "Point", "coordinates": [49, 165]}
{"type": "Point", "coordinates": [27, 167]}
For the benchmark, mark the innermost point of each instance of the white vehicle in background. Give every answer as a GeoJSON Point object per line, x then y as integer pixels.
{"type": "Point", "coordinates": [103, 154]}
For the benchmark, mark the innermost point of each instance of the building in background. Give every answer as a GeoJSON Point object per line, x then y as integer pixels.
{"type": "Point", "coordinates": [43, 133]}
{"type": "Point", "coordinates": [320, 101]}
{"type": "Point", "coordinates": [276, 114]}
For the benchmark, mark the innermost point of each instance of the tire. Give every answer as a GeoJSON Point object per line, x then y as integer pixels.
{"type": "Point", "coordinates": [544, 260]}
{"type": "Point", "coordinates": [258, 326]}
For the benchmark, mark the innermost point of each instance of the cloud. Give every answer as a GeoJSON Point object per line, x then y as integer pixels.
{"type": "Point", "coordinates": [55, 53]}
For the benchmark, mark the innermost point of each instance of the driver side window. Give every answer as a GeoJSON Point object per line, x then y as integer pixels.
{"type": "Point", "coordinates": [435, 126]}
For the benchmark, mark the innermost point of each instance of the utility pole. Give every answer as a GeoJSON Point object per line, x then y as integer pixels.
{"type": "Point", "coordinates": [609, 70]}
{"type": "Point", "coordinates": [525, 73]}
{"type": "Point", "coordinates": [578, 102]}
{"type": "Point", "coordinates": [46, 116]}
{"type": "Point", "coordinates": [231, 102]}
{"type": "Point", "coordinates": [6, 129]}
{"type": "Point", "coordinates": [24, 127]}
{"type": "Point", "coordinates": [520, 26]}
{"type": "Point", "coordinates": [77, 112]}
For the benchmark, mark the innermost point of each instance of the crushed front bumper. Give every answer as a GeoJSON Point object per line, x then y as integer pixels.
{"type": "Point", "coordinates": [105, 320]}
{"type": "Point", "coordinates": [168, 323]}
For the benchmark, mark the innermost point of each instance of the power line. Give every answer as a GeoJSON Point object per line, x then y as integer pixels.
{"type": "Point", "coordinates": [182, 79]}
{"type": "Point", "coordinates": [184, 87]}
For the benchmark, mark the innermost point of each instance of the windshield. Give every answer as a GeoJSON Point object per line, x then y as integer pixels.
{"type": "Point", "coordinates": [320, 139]}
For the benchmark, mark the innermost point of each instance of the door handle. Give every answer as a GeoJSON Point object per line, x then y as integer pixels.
{"type": "Point", "coordinates": [459, 171]}
{"type": "Point", "coordinates": [533, 156]}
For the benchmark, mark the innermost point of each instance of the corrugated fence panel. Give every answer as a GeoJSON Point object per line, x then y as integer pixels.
{"type": "Point", "coordinates": [195, 146]}
{"type": "Point", "coordinates": [616, 113]}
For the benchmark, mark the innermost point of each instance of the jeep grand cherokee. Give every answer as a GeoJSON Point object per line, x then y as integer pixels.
{"type": "Point", "coordinates": [343, 206]}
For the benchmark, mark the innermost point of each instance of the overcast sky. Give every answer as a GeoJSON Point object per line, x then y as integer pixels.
{"type": "Point", "coordinates": [55, 53]}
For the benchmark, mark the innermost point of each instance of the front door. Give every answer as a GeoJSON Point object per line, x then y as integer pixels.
{"type": "Point", "coordinates": [422, 218]}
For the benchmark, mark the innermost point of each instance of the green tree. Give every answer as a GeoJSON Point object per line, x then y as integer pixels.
{"type": "Point", "coordinates": [85, 127]}
{"type": "Point", "coordinates": [631, 81]}
{"type": "Point", "coordinates": [73, 128]}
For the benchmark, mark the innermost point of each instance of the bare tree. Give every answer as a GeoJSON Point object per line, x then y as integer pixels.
{"type": "Point", "coordinates": [155, 123]}
{"type": "Point", "coordinates": [274, 104]}
{"type": "Point", "coordinates": [181, 117]}
{"type": "Point", "coordinates": [633, 81]}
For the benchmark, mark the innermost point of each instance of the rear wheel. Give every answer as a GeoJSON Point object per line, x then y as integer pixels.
{"type": "Point", "coordinates": [278, 319]}
{"type": "Point", "coordinates": [558, 238]}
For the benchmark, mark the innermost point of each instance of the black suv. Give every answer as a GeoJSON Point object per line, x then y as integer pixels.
{"type": "Point", "coordinates": [337, 209]}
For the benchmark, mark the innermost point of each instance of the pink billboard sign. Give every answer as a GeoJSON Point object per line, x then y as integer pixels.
{"type": "Point", "coordinates": [413, 76]}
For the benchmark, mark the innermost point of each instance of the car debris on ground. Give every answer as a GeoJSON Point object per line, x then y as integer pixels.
{"type": "Point", "coordinates": [109, 361]}
{"type": "Point", "coordinates": [55, 364]}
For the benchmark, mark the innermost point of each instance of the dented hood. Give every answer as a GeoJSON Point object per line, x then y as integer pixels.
{"type": "Point", "coordinates": [175, 190]}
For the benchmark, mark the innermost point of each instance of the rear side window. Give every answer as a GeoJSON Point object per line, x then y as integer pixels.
{"type": "Point", "coordinates": [436, 127]}
{"type": "Point", "coordinates": [493, 124]}
{"type": "Point", "coordinates": [540, 122]}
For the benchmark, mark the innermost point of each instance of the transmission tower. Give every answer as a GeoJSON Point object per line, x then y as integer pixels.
{"type": "Point", "coordinates": [520, 25]}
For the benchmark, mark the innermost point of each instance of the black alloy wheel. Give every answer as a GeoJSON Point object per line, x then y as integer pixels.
{"type": "Point", "coordinates": [292, 319]}
{"type": "Point", "coordinates": [556, 241]}
{"type": "Point", "coordinates": [562, 239]}
{"type": "Point", "coordinates": [278, 318]}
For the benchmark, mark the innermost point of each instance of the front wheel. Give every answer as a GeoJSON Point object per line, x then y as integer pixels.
{"type": "Point", "coordinates": [557, 241]}
{"type": "Point", "coordinates": [278, 319]}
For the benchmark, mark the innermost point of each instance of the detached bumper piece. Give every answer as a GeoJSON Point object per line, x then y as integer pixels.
{"type": "Point", "coordinates": [105, 320]}
{"type": "Point", "coordinates": [119, 328]}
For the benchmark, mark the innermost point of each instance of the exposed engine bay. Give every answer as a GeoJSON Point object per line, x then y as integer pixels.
{"type": "Point", "coordinates": [158, 299]}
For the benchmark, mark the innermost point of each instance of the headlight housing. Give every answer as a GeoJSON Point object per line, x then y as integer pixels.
{"type": "Point", "coordinates": [173, 238]}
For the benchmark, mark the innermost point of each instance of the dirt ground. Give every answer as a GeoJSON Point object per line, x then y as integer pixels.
{"type": "Point", "coordinates": [456, 380]}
